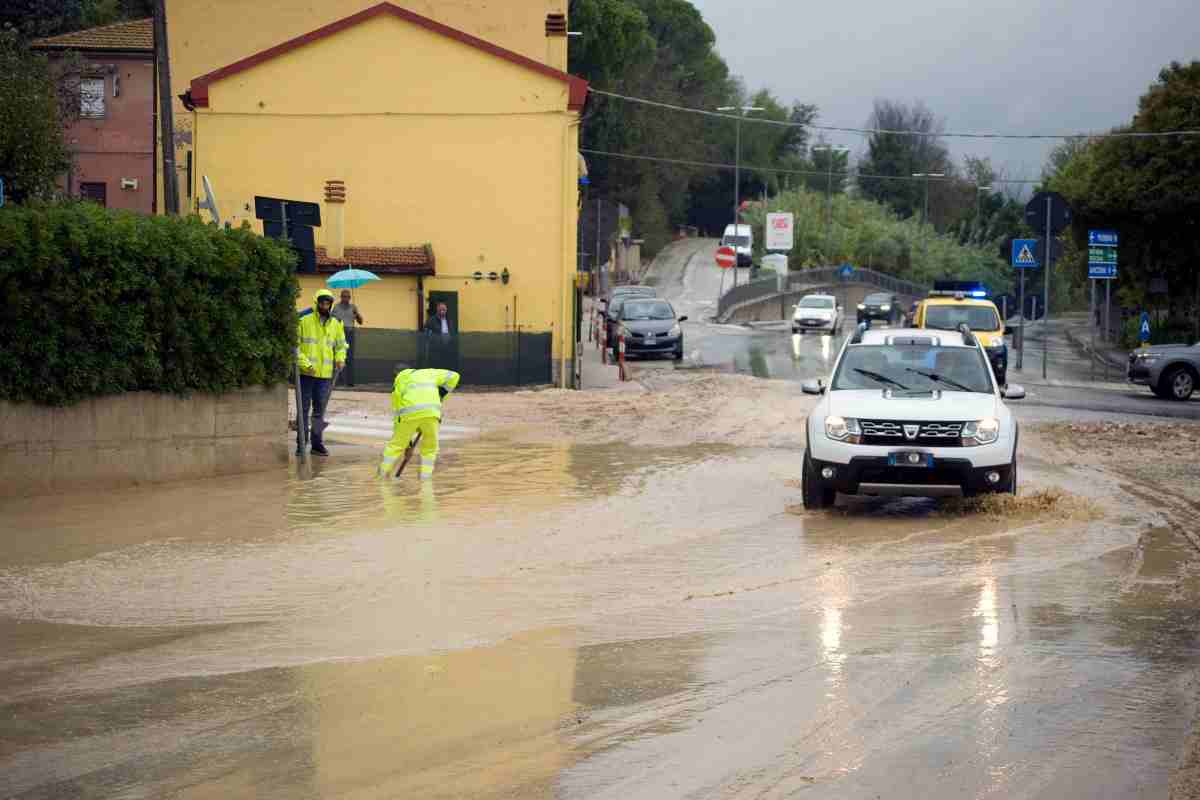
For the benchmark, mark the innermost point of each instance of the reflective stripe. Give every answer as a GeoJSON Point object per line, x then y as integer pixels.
{"type": "Point", "coordinates": [420, 386]}
{"type": "Point", "coordinates": [309, 339]}
{"type": "Point", "coordinates": [419, 407]}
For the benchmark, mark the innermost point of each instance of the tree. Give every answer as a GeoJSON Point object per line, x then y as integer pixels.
{"type": "Point", "coordinates": [33, 148]}
{"type": "Point", "coordinates": [916, 147]}
{"type": "Point", "coordinates": [35, 19]}
{"type": "Point", "coordinates": [1148, 189]}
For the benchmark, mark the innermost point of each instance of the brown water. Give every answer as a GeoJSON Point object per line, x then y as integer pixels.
{"type": "Point", "coordinates": [583, 622]}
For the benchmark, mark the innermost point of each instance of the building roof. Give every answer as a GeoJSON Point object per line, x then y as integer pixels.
{"type": "Point", "coordinates": [578, 86]}
{"type": "Point", "coordinates": [400, 260]}
{"type": "Point", "coordinates": [136, 36]}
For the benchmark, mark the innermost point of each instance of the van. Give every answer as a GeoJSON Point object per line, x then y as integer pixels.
{"type": "Point", "coordinates": [741, 239]}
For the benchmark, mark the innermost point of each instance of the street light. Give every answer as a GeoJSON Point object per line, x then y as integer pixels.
{"type": "Point", "coordinates": [831, 149]}
{"type": "Point", "coordinates": [737, 173]}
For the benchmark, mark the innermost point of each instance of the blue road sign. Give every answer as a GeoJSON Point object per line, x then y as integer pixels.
{"type": "Point", "coordinates": [847, 270]}
{"type": "Point", "coordinates": [1144, 328]}
{"type": "Point", "coordinates": [1102, 255]}
{"type": "Point", "coordinates": [1023, 253]}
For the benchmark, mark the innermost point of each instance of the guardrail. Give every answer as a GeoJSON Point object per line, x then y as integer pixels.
{"type": "Point", "coordinates": [769, 287]}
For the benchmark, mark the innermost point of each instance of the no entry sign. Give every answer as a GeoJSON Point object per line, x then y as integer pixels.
{"type": "Point", "coordinates": [726, 257]}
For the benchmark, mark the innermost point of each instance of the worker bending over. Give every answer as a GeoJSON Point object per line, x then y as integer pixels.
{"type": "Point", "coordinates": [417, 403]}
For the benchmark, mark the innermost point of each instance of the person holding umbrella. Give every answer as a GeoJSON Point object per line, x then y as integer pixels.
{"type": "Point", "coordinates": [347, 314]}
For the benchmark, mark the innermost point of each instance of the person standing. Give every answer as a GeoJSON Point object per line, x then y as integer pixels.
{"type": "Point", "coordinates": [320, 346]}
{"type": "Point", "coordinates": [439, 323]}
{"type": "Point", "coordinates": [417, 403]}
{"type": "Point", "coordinates": [347, 314]}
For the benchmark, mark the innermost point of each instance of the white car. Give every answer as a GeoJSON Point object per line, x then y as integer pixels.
{"type": "Point", "coordinates": [741, 239]}
{"type": "Point", "coordinates": [817, 312]}
{"type": "Point", "coordinates": [910, 412]}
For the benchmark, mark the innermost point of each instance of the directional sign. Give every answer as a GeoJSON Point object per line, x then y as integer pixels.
{"type": "Point", "coordinates": [1102, 255]}
{"type": "Point", "coordinates": [726, 257]}
{"type": "Point", "coordinates": [1060, 212]}
{"type": "Point", "coordinates": [779, 230]}
{"type": "Point", "coordinates": [1144, 327]}
{"type": "Point", "coordinates": [1023, 253]}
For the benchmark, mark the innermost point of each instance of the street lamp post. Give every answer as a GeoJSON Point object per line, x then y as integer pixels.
{"type": "Point", "coordinates": [979, 190]}
{"type": "Point", "coordinates": [925, 215]}
{"type": "Point", "coordinates": [831, 149]}
{"type": "Point", "coordinates": [737, 173]}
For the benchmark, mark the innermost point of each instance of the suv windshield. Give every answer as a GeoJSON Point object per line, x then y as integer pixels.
{"type": "Point", "coordinates": [816, 302]}
{"type": "Point", "coordinates": [913, 368]}
{"type": "Point", "coordinates": [948, 318]}
{"type": "Point", "coordinates": [736, 241]}
{"type": "Point", "coordinates": [643, 309]}
{"type": "Point", "coordinates": [878, 300]}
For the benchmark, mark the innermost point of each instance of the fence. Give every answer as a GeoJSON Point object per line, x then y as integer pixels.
{"type": "Point", "coordinates": [769, 287]}
{"type": "Point", "coordinates": [510, 358]}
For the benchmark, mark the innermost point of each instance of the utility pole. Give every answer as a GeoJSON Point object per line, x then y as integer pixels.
{"type": "Point", "coordinates": [166, 109]}
{"type": "Point", "coordinates": [830, 149]}
{"type": "Point", "coordinates": [737, 173]}
{"type": "Point", "coordinates": [925, 215]}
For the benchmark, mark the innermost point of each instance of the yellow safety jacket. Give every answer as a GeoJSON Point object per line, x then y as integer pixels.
{"type": "Point", "coordinates": [415, 393]}
{"type": "Point", "coordinates": [319, 344]}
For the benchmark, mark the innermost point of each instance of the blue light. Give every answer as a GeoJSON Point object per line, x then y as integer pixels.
{"type": "Point", "coordinates": [979, 293]}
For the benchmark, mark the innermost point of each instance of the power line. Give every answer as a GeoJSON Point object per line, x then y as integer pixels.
{"type": "Point", "coordinates": [822, 173]}
{"type": "Point", "coordinates": [870, 131]}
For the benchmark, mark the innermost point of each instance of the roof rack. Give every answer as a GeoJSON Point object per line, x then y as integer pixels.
{"type": "Point", "coordinates": [968, 337]}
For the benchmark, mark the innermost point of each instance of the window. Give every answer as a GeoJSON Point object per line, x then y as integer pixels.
{"type": "Point", "coordinates": [96, 192]}
{"type": "Point", "coordinates": [91, 97]}
{"type": "Point", "coordinates": [913, 368]}
{"type": "Point", "coordinates": [948, 318]}
{"type": "Point", "coordinates": [816, 302]}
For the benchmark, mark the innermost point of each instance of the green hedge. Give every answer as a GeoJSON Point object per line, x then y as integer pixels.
{"type": "Point", "coordinates": [98, 302]}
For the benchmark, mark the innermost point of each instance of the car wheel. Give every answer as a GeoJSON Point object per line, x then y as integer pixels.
{"type": "Point", "coordinates": [678, 355]}
{"type": "Point", "coordinates": [816, 495]}
{"type": "Point", "coordinates": [1178, 383]}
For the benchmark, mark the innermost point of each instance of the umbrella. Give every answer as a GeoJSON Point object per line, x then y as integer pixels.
{"type": "Point", "coordinates": [350, 278]}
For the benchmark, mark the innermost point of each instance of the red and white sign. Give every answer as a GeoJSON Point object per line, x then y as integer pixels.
{"type": "Point", "coordinates": [726, 257]}
{"type": "Point", "coordinates": [779, 231]}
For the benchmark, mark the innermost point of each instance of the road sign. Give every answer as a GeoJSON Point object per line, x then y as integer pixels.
{"type": "Point", "coordinates": [1060, 212]}
{"type": "Point", "coordinates": [1102, 255]}
{"type": "Point", "coordinates": [1144, 327]}
{"type": "Point", "coordinates": [1023, 256]}
{"type": "Point", "coordinates": [1, 192]}
{"type": "Point", "coordinates": [726, 257]}
{"type": "Point", "coordinates": [1056, 250]}
{"type": "Point", "coordinates": [779, 230]}
{"type": "Point", "coordinates": [847, 271]}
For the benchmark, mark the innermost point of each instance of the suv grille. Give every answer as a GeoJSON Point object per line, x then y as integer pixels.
{"type": "Point", "coordinates": [935, 434]}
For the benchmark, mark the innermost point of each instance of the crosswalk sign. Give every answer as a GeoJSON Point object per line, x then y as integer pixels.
{"type": "Point", "coordinates": [1023, 253]}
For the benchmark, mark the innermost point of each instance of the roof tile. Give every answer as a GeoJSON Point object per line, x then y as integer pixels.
{"type": "Point", "coordinates": [398, 260]}
{"type": "Point", "coordinates": [136, 34]}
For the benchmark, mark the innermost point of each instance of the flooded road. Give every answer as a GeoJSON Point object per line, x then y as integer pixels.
{"type": "Point", "coordinates": [581, 621]}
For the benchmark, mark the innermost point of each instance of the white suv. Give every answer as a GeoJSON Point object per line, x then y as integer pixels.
{"type": "Point", "coordinates": [910, 413]}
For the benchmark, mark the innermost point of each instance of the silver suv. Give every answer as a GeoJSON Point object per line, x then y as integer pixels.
{"type": "Point", "coordinates": [1170, 370]}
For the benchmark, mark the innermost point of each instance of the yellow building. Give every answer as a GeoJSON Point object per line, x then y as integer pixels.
{"type": "Point", "coordinates": [456, 137]}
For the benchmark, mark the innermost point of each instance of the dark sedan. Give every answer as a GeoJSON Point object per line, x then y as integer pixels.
{"type": "Point", "coordinates": [882, 307]}
{"type": "Point", "coordinates": [651, 328]}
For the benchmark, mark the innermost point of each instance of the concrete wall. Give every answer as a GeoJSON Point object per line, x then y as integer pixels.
{"type": "Point", "coordinates": [139, 437]}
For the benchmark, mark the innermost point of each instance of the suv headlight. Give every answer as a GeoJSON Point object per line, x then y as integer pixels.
{"type": "Point", "coordinates": [885, 307]}
{"type": "Point", "coordinates": [984, 431]}
{"type": "Point", "coordinates": [1147, 358]}
{"type": "Point", "coordinates": [675, 330]}
{"type": "Point", "coordinates": [843, 429]}
{"type": "Point", "coordinates": [862, 307]}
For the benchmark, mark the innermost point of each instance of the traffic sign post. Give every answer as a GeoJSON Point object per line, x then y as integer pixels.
{"type": "Point", "coordinates": [726, 257]}
{"type": "Point", "coordinates": [1023, 257]}
{"type": "Point", "coordinates": [1051, 211]}
{"type": "Point", "coordinates": [1102, 265]}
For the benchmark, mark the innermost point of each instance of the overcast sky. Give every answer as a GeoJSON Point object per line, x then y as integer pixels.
{"type": "Point", "coordinates": [1005, 66]}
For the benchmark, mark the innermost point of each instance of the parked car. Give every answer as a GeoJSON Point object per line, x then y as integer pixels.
{"type": "Point", "coordinates": [612, 307]}
{"type": "Point", "coordinates": [881, 307]}
{"type": "Point", "coordinates": [1171, 371]}
{"type": "Point", "coordinates": [651, 327]}
{"type": "Point", "coordinates": [741, 239]}
{"type": "Point", "coordinates": [912, 413]}
{"type": "Point", "coordinates": [818, 312]}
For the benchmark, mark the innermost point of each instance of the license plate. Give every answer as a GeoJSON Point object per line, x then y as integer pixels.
{"type": "Point", "coordinates": [910, 460]}
{"type": "Point", "coordinates": [649, 339]}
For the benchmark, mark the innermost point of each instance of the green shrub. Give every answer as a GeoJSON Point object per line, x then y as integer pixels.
{"type": "Point", "coordinates": [99, 302]}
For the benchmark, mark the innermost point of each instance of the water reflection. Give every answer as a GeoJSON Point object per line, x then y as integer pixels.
{"type": "Point", "coordinates": [989, 632]}
{"type": "Point", "coordinates": [835, 596]}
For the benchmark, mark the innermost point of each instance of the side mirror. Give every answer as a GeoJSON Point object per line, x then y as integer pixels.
{"type": "Point", "coordinates": [813, 387]}
{"type": "Point", "coordinates": [1008, 330]}
{"type": "Point", "coordinates": [682, 319]}
{"type": "Point", "coordinates": [1013, 392]}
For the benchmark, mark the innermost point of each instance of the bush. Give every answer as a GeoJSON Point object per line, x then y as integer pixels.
{"type": "Point", "coordinates": [100, 302]}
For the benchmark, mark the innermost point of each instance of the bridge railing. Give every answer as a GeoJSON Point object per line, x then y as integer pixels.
{"type": "Point", "coordinates": [768, 287]}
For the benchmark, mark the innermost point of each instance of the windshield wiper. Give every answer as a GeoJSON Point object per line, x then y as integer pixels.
{"type": "Point", "coordinates": [875, 376]}
{"type": "Point", "coordinates": [935, 377]}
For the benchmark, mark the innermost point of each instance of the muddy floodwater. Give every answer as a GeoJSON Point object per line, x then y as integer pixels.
{"type": "Point", "coordinates": [602, 621]}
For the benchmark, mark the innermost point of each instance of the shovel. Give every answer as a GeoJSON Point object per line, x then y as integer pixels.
{"type": "Point", "coordinates": [408, 451]}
